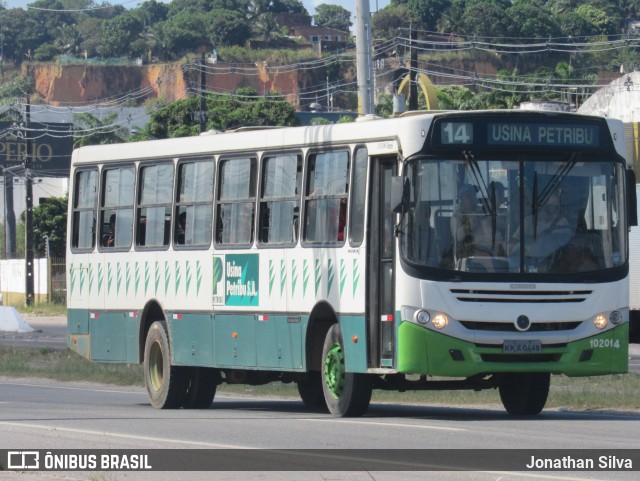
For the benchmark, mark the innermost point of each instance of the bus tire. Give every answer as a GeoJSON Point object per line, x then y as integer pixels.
{"type": "Point", "coordinates": [166, 384]}
{"type": "Point", "coordinates": [524, 394]}
{"type": "Point", "coordinates": [347, 394]}
{"type": "Point", "coordinates": [311, 392]}
{"type": "Point", "coordinates": [203, 382]}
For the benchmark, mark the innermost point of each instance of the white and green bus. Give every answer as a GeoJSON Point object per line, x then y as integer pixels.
{"type": "Point", "coordinates": [452, 250]}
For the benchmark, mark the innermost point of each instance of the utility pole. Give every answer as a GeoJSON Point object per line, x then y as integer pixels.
{"type": "Point", "coordinates": [413, 71]}
{"type": "Point", "coordinates": [2, 10]}
{"type": "Point", "coordinates": [28, 213]}
{"type": "Point", "coordinates": [9, 217]}
{"type": "Point", "coordinates": [364, 64]}
{"type": "Point", "coordinates": [203, 104]}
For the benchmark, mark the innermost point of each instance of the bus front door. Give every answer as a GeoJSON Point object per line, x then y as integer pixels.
{"type": "Point", "coordinates": [380, 264]}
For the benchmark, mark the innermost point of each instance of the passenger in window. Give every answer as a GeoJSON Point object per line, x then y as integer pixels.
{"type": "Point", "coordinates": [342, 219]}
{"type": "Point", "coordinates": [109, 238]}
{"type": "Point", "coordinates": [181, 228]}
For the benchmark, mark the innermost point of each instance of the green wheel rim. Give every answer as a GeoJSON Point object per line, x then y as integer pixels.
{"type": "Point", "coordinates": [156, 366]}
{"type": "Point", "coordinates": [334, 371]}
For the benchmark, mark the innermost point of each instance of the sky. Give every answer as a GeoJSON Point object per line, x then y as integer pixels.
{"type": "Point", "coordinates": [309, 4]}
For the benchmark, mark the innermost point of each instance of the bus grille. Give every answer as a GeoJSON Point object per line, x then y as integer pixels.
{"type": "Point", "coordinates": [510, 327]}
{"type": "Point", "coordinates": [520, 357]}
{"type": "Point", "coordinates": [519, 296]}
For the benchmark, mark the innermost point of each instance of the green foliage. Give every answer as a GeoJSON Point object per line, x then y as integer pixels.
{"type": "Point", "coordinates": [320, 121]}
{"type": "Point", "coordinates": [332, 16]}
{"type": "Point", "coordinates": [225, 112]}
{"type": "Point", "coordinates": [242, 54]}
{"type": "Point", "coordinates": [453, 97]}
{"type": "Point", "coordinates": [384, 107]}
{"type": "Point", "coordinates": [45, 52]}
{"type": "Point", "coordinates": [93, 131]}
{"type": "Point", "coordinates": [184, 31]}
{"type": "Point", "coordinates": [117, 35]}
{"type": "Point", "coordinates": [227, 27]}
{"type": "Point", "coordinates": [389, 22]}
{"type": "Point", "coordinates": [16, 87]}
{"type": "Point", "coordinates": [428, 12]}
{"type": "Point", "coordinates": [50, 220]}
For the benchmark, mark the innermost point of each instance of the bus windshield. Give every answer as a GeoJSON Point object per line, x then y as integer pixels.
{"type": "Point", "coordinates": [535, 216]}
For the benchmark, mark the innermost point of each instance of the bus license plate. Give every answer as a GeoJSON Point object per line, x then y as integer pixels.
{"type": "Point", "coordinates": [521, 347]}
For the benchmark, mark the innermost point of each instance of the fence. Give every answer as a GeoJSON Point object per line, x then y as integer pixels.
{"type": "Point", "coordinates": [49, 281]}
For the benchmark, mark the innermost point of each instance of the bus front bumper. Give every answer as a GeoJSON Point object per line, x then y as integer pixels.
{"type": "Point", "coordinates": [423, 351]}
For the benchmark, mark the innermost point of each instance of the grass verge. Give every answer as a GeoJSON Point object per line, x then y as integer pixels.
{"type": "Point", "coordinates": [600, 392]}
{"type": "Point", "coordinates": [43, 309]}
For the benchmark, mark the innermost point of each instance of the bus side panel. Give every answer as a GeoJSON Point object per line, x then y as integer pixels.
{"type": "Point", "coordinates": [279, 342]}
{"type": "Point", "coordinates": [354, 338]}
{"type": "Point", "coordinates": [109, 337]}
{"type": "Point", "coordinates": [235, 340]}
{"type": "Point", "coordinates": [78, 331]}
{"type": "Point", "coordinates": [192, 339]}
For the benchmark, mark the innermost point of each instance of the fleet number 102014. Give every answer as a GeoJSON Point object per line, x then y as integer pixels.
{"type": "Point", "coordinates": [603, 343]}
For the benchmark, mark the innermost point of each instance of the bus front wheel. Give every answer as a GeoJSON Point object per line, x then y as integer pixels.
{"type": "Point", "coordinates": [311, 392]}
{"type": "Point", "coordinates": [524, 394]}
{"type": "Point", "coordinates": [166, 384]}
{"type": "Point", "coordinates": [346, 394]}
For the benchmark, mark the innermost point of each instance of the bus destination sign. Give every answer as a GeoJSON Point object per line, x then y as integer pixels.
{"type": "Point", "coordinates": [538, 134]}
{"type": "Point", "coordinates": [530, 134]}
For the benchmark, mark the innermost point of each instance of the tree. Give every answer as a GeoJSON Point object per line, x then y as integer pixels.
{"type": "Point", "coordinates": [50, 221]}
{"type": "Point", "coordinates": [92, 131]}
{"type": "Point", "coordinates": [488, 19]}
{"type": "Point", "coordinates": [185, 32]}
{"type": "Point", "coordinates": [532, 21]}
{"type": "Point", "coordinates": [333, 16]}
{"type": "Point", "coordinates": [225, 112]}
{"type": "Point", "coordinates": [90, 36]}
{"type": "Point", "coordinates": [118, 34]}
{"type": "Point", "coordinates": [288, 6]}
{"type": "Point", "coordinates": [391, 22]}
{"type": "Point", "coordinates": [453, 97]}
{"type": "Point", "coordinates": [428, 12]}
{"type": "Point", "coordinates": [227, 27]}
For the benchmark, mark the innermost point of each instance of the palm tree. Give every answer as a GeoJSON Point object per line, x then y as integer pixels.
{"type": "Point", "coordinates": [89, 130]}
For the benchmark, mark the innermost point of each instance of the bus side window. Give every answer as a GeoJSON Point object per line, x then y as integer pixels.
{"type": "Point", "coordinates": [358, 199]}
{"type": "Point", "coordinates": [327, 188]}
{"type": "Point", "coordinates": [84, 210]}
{"type": "Point", "coordinates": [194, 204]}
{"type": "Point", "coordinates": [154, 205]}
{"type": "Point", "coordinates": [116, 210]}
{"type": "Point", "coordinates": [280, 199]}
{"type": "Point", "coordinates": [235, 207]}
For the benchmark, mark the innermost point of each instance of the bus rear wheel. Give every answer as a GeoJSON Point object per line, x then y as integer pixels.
{"type": "Point", "coordinates": [524, 394]}
{"type": "Point", "coordinates": [346, 394]}
{"type": "Point", "coordinates": [203, 382]}
{"type": "Point", "coordinates": [166, 384]}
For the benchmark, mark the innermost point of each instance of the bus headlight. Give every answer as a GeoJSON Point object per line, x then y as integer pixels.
{"type": "Point", "coordinates": [615, 317]}
{"type": "Point", "coordinates": [421, 316]}
{"type": "Point", "coordinates": [600, 321]}
{"type": "Point", "coordinates": [440, 321]}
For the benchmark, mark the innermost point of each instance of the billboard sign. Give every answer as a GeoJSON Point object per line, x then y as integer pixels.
{"type": "Point", "coordinates": [49, 150]}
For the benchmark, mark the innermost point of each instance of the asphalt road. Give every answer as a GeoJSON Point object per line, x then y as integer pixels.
{"type": "Point", "coordinates": [39, 414]}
